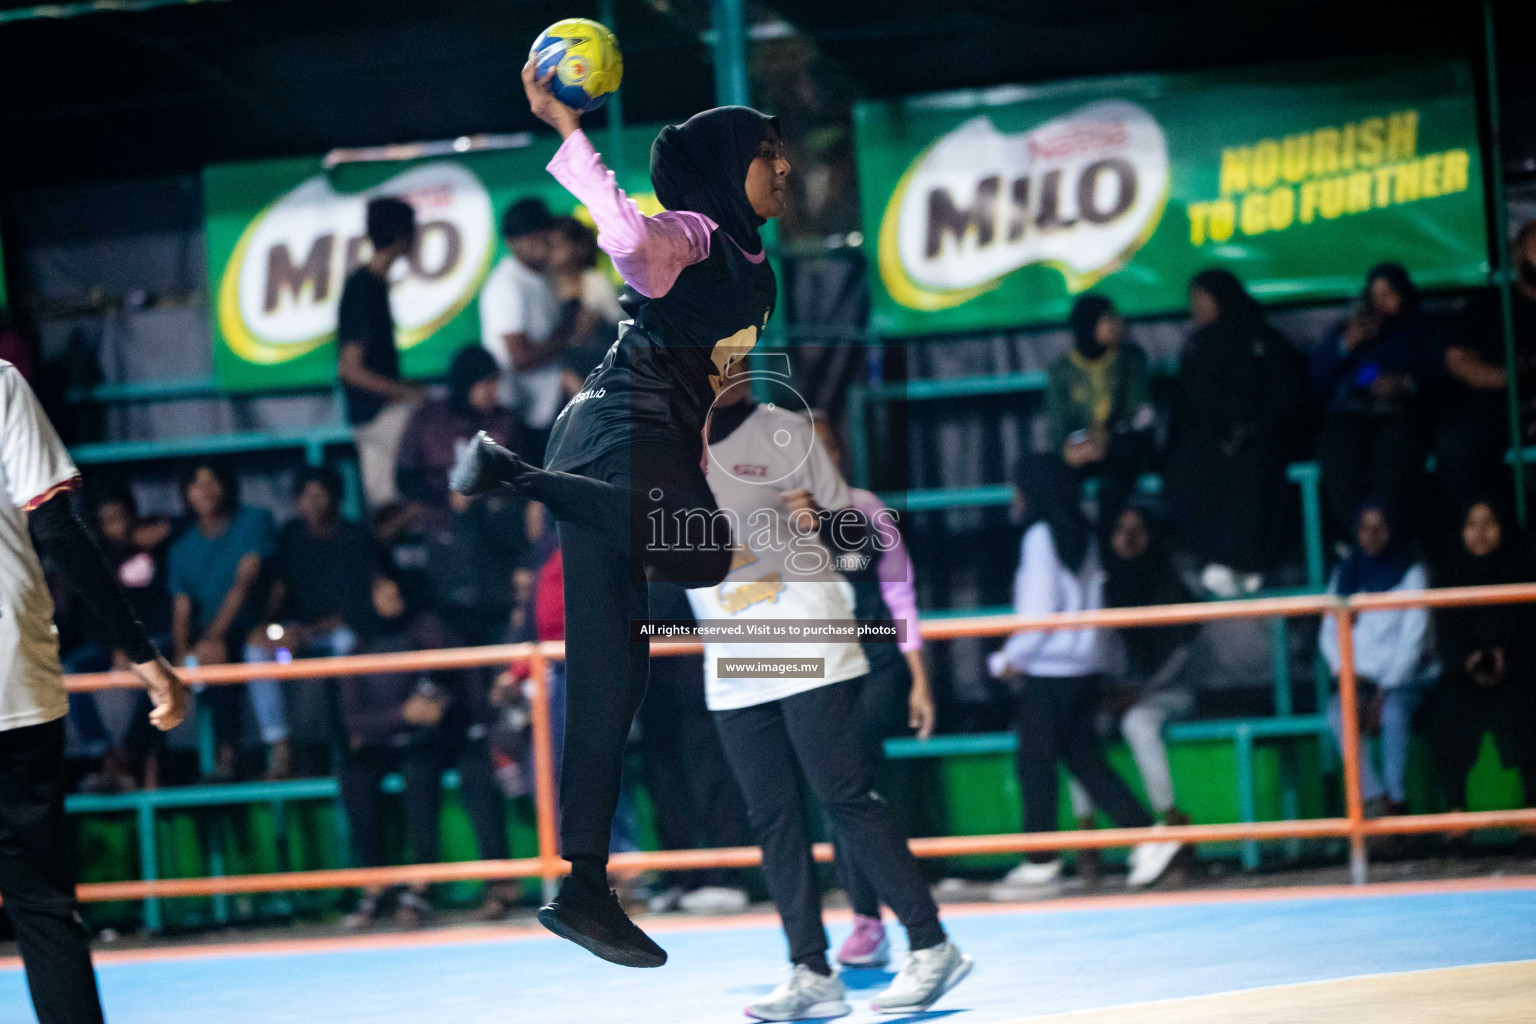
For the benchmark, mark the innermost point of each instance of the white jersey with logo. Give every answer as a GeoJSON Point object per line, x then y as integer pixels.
{"type": "Point", "coordinates": [33, 468]}
{"type": "Point", "coordinates": [747, 471]}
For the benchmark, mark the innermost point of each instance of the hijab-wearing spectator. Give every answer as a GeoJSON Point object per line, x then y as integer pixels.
{"type": "Point", "coordinates": [1473, 434]}
{"type": "Point", "coordinates": [1395, 663]}
{"type": "Point", "coordinates": [1237, 412]}
{"type": "Point", "coordinates": [1139, 574]}
{"type": "Point", "coordinates": [1375, 374]}
{"type": "Point", "coordinates": [1056, 678]}
{"type": "Point", "coordinates": [439, 429]}
{"type": "Point", "coordinates": [1489, 672]}
{"type": "Point", "coordinates": [1098, 404]}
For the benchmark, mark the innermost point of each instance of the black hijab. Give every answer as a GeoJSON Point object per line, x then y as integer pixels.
{"type": "Point", "coordinates": [701, 165]}
{"type": "Point", "coordinates": [1236, 308]}
{"type": "Point", "coordinates": [1053, 495]}
{"type": "Point", "coordinates": [1510, 562]}
{"type": "Point", "coordinates": [1150, 579]}
{"type": "Point", "coordinates": [472, 365]}
{"type": "Point", "coordinates": [1396, 276]}
{"type": "Point", "coordinates": [1086, 314]}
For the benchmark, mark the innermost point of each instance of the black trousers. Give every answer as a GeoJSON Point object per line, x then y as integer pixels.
{"type": "Point", "coordinates": [697, 802]}
{"type": "Point", "coordinates": [1370, 456]}
{"type": "Point", "coordinates": [619, 522]}
{"type": "Point", "coordinates": [37, 876]}
{"type": "Point", "coordinates": [421, 768]}
{"type": "Point", "coordinates": [768, 746]}
{"type": "Point", "coordinates": [1055, 722]}
{"type": "Point", "coordinates": [882, 713]}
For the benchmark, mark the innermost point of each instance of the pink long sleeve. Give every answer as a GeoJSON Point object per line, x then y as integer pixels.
{"type": "Point", "coordinates": [648, 251]}
{"type": "Point", "coordinates": [895, 572]}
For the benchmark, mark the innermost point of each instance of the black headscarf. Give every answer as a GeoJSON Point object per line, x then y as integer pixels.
{"type": "Point", "coordinates": [472, 365]}
{"type": "Point", "coordinates": [1086, 314]}
{"type": "Point", "coordinates": [701, 165]}
{"type": "Point", "coordinates": [1235, 306]}
{"type": "Point", "coordinates": [1052, 494]}
{"type": "Point", "coordinates": [1396, 275]}
{"type": "Point", "coordinates": [1510, 562]}
{"type": "Point", "coordinates": [1148, 580]}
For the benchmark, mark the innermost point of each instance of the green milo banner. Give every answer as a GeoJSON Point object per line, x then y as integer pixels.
{"type": "Point", "coordinates": [994, 208]}
{"type": "Point", "coordinates": [283, 235]}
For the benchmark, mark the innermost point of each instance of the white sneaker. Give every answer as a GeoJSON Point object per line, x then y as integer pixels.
{"type": "Point", "coordinates": [1025, 877]}
{"type": "Point", "coordinates": [927, 975]}
{"type": "Point", "coordinates": [1149, 861]}
{"type": "Point", "coordinates": [713, 899]}
{"type": "Point", "coordinates": [666, 901]}
{"type": "Point", "coordinates": [804, 996]}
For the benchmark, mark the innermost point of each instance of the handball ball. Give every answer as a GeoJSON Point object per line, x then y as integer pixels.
{"type": "Point", "coordinates": [585, 58]}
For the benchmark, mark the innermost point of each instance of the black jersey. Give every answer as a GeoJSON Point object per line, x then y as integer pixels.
{"type": "Point", "coordinates": [660, 378]}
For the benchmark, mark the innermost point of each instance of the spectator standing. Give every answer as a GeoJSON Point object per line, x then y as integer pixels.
{"type": "Point", "coordinates": [1376, 374]}
{"type": "Point", "coordinates": [1098, 404]}
{"type": "Point", "coordinates": [1056, 676]}
{"type": "Point", "coordinates": [521, 324]}
{"type": "Point", "coordinates": [378, 402]}
{"type": "Point", "coordinates": [215, 569]}
{"type": "Point", "coordinates": [576, 277]}
{"type": "Point", "coordinates": [1395, 663]}
{"type": "Point", "coordinates": [1473, 433]}
{"type": "Point", "coordinates": [1140, 574]}
{"type": "Point", "coordinates": [1487, 656]}
{"type": "Point", "coordinates": [1236, 414]}
{"type": "Point", "coordinates": [440, 429]}
{"type": "Point", "coordinates": [321, 574]}
{"type": "Point", "coordinates": [473, 548]}
{"type": "Point", "coordinates": [412, 722]}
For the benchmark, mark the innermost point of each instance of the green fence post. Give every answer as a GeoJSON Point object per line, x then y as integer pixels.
{"type": "Point", "coordinates": [149, 863]}
{"type": "Point", "coordinates": [858, 434]}
{"type": "Point", "coordinates": [1500, 261]}
{"type": "Point", "coordinates": [1246, 804]}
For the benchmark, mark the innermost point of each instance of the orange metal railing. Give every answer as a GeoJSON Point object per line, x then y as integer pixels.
{"type": "Point", "coordinates": [547, 865]}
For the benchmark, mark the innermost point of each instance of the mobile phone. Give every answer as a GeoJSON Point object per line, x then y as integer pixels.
{"type": "Point", "coordinates": [1079, 436]}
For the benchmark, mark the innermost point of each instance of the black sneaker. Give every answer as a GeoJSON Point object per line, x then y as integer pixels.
{"type": "Point", "coordinates": [594, 921]}
{"type": "Point", "coordinates": [483, 466]}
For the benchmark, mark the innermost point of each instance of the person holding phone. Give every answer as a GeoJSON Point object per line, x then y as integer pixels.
{"type": "Point", "coordinates": [1376, 374]}
{"type": "Point", "coordinates": [1098, 404]}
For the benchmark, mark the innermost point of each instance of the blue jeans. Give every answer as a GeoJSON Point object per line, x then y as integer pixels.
{"type": "Point", "coordinates": [1397, 708]}
{"type": "Point", "coordinates": [267, 694]}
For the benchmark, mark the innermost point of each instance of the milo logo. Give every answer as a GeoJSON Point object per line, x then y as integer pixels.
{"type": "Point", "coordinates": [1080, 193]}
{"type": "Point", "coordinates": [281, 287]}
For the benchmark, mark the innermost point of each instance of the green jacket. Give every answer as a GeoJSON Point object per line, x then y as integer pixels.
{"type": "Point", "coordinates": [1107, 392]}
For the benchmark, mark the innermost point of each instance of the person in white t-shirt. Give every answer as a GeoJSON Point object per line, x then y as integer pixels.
{"type": "Point", "coordinates": [521, 322]}
{"type": "Point", "coordinates": [37, 858]}
{"type": "Point", "coordinates": [791, 513]}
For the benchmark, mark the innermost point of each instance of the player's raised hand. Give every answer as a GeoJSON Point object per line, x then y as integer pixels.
{"type": "Point", "coordinates": [167, 693]}
{"type": "Point", "coordinates": [544, 105]}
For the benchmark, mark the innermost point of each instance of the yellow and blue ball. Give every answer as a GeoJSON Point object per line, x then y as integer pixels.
{"type": "Point", "coordinates": [585, 58]}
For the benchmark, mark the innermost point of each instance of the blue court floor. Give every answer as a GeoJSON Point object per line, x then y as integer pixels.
{"type": "Point", "coordinates": [1029, 961]}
